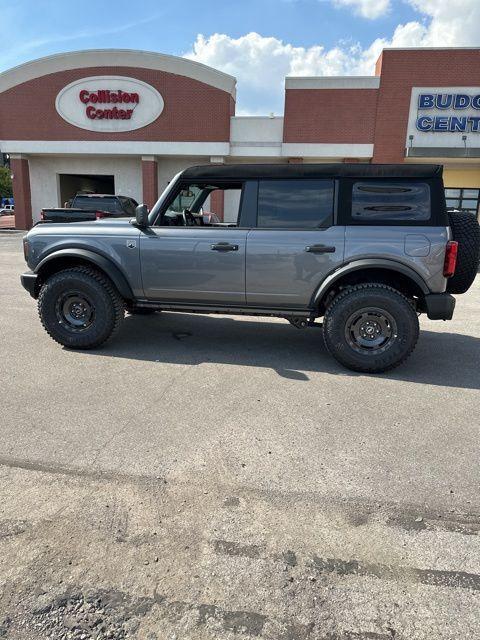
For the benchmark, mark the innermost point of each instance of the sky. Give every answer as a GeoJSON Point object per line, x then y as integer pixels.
{"type": "Point", "coordinates": [257, 41]}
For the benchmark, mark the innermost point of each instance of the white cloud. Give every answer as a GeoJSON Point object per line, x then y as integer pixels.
{"type": "Point", "coordinates": [453, 22]}
{"type": "Point", "coordinates": [370, 9]}
{"type": "Point", "coordinates": [261, 63]}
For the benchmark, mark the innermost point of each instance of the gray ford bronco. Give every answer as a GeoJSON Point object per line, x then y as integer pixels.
{"type": "Point", "coordinates": [366, 247]}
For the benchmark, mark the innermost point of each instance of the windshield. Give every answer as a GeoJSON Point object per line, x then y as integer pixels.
{"type": "Point", "coordinates": [185, 199]}
{"type": "Point", "coordinates": [162, 198]}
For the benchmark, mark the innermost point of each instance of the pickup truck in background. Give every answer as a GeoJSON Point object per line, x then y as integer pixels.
{"type": "Point", "coordinates": [92, 206]}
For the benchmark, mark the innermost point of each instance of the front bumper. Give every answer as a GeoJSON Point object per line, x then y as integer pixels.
{"type": "Point", "coordinates": [438, 306]}
{"type": "Point", "coordinates": [29, 282]}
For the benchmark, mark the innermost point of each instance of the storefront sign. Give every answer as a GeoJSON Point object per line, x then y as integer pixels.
{"type": "Point", "coordinates": [454, 102]}
{"type": "Point", "coordinates": [443, 116]}
{"type": "Point", "coordinates": [109, 103]}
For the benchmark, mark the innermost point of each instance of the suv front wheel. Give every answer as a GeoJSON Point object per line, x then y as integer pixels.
{"type": "Point", "coordinates": [80, 308]}
{"type": "Point", "coordinates": [370, 328]}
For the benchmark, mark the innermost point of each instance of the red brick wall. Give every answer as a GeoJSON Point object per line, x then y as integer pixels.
{"type": "Point", "coordinates": [400, 71]}
{"type": "Point", "coordinates": [149, 182]}
{"type": "Point", "coordinates": [378, 116]}
{"type": "Point", "coordinates": [330, 115]}
{"type": "Point", "coordinates": [21, 193]}
{"type": "Point", "coordinates": [194, 111]}
{"type": "Point", "coordinates": [217, 203]}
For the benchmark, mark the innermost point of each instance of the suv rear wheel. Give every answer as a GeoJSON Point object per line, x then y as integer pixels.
{"type": "Point", "coordinates": [370, 328]}
{"type": "Point", "coordinates": [80, 308]}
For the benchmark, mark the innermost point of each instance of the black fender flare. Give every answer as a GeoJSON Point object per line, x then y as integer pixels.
{"type": "Point", "coordinates": [103, 263]}
{"type": "Point", "coordinates": [368, 263]}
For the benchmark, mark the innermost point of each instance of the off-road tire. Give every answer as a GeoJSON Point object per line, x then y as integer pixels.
{"type": "Point", "coordinates": [466, 231]}
{"type": "Point", "coordinates": [373, 296]}
{"type": "Point", "coordinates": [107, 306]}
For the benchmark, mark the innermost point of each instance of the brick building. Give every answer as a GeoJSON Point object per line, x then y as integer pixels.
{"type": "Point", "coordinates": [126, 121]}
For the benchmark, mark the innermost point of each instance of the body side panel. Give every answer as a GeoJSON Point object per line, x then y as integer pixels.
{"type": "Point", "coordinates": [281, 272]}
{"type": "Point", "coordinates": [179, 264]}
{"type": "Point", "coordinates": [117, 242]}
{"type": "Point", "coordinates": [420, 248]}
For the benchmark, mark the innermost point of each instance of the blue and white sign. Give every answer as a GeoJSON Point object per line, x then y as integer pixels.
{"type": "Point", "coordinates": [443, 116]}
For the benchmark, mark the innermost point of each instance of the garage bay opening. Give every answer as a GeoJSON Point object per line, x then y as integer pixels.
{"type": "Point", "coordinates": [71, 184]}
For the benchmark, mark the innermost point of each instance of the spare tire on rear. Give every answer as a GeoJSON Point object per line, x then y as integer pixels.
{"type": "Point", "coordinates": [466, 231]}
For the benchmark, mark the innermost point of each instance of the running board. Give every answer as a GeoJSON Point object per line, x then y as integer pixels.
{"type": "Point", "coordinates": [249, 311]}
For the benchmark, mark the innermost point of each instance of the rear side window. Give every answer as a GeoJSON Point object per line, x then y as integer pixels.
{"type": "Point", "coordinates": [388, 202]}
{"type": "Point", "coordinates": [295, 204]}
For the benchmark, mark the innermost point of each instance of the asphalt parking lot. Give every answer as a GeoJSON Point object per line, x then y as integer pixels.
{"type": "Point", "coordinates": [223, 478]}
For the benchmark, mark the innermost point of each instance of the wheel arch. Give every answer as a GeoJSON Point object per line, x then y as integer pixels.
{"type": "Point", "coordinates": [65, 258]}
{"type": "Point", "coordinates": [397, 275]}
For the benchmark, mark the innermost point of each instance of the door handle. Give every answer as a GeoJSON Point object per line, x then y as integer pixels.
{"type": "Point", "coordinates": [319, 248]}
{"type": "Point", "coordinates": [224, 246]}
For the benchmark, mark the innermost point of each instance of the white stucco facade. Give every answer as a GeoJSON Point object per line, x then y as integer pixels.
{"type": "Point", "coordinates": [45, 172]}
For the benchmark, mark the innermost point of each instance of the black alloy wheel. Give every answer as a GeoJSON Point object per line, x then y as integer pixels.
{"type": "Point", "coordinates": [370, 330]}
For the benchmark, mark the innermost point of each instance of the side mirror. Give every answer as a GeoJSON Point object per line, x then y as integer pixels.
{"type": "Point", "coordinates": [141, 215]}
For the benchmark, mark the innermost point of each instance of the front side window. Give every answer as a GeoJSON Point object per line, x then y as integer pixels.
{"type": "Point", "coordinates": [295, 204]}
{"type": "Point", "coordinates": [203, 204]}
{"type": "Point", "coordinates": [185, 198]}
{"type": "Point", "coordinates": [389, 202]}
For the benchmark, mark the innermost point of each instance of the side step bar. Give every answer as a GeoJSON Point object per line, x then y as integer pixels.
{"type": "Point", "coordinates": [249, 311]}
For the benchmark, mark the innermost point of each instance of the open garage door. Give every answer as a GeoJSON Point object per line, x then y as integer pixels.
{"type": "Point", "coordinates": [72, 183]}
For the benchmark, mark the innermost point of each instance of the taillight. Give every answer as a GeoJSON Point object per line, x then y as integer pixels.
{"type": "Point", "coordinates": [100, 214]}
{"type": "Point", "coordinates": [42, 215]}
{"type": "Point", "coordinates": [450, 259]}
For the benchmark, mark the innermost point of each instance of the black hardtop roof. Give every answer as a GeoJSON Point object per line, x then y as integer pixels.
{"type": "Point", "coordinates": [333, 170]}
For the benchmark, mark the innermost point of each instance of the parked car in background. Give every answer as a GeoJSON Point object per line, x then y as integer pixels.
{"type": "Point", "coordinates": [7, 210]}
{"type": "Point", "coordinates": [91, 206]}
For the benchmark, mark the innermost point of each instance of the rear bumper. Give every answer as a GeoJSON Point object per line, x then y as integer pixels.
{"type": "Point", "coordinates": [29, 282]}
{"type": "Point", "coordinates": [438, 306]}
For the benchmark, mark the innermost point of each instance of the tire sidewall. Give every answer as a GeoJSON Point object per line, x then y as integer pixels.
{"type": "Point", "coordinates": [387, 299]}
{"type": "Point", "coordinates": [98, 295]}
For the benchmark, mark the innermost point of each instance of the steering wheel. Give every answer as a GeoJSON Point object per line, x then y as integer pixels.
{"type": "Point", "coordinates": [188, 218]}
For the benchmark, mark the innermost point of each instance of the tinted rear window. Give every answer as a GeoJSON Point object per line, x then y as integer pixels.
{"type": "Point", "coordinates": [387, 202]}
{"type": "Point", "coordinates": [295, 204]}
{"type": "Point", "coordinates": [99, 204]}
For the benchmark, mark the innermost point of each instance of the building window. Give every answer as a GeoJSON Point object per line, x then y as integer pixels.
{"type": "Point", "coordinates": [458, 198]}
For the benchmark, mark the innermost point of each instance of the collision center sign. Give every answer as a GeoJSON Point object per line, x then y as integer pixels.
{"type": "Point", "coordinates": [451, 111]}
{"type": "Point", "coordinates": [109, 103]}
